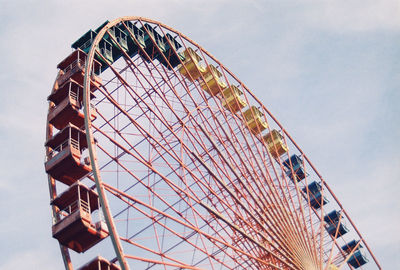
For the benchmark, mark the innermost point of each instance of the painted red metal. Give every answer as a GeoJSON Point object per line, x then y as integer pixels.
{"type": "Point", "coordinates": [73, 67]}
{"type": "Point", "coordinates": [77, 233]}
{"type": "Point", "coordinates": [67, 104]}
{"type": "Point", "coordinates": [186, 173]}
{"type": "Point", "coordinates": [99, 263]}
{"type": "Point", "coordinates": [65, 162]}
{"type": "Point", "coordinates": [76, 230]}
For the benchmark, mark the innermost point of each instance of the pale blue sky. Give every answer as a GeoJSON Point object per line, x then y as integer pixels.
{"type": "Point", "coordinates": [328, 70]}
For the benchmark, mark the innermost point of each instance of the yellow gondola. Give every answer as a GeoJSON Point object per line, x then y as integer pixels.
{"type": "Point", "coordinates": [232, 99]}
{"type": "Point", "coordinates": [275, 144]}
{"type": "Point", "coordinates": [191, 67]}
{"type": "Point", "coordinates": [212, 82]}
{"type": "Point", "coordinates": [254, 120]}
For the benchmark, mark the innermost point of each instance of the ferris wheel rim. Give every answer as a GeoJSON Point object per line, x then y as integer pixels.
{"type": "Point", "coordinates": [91, 142]}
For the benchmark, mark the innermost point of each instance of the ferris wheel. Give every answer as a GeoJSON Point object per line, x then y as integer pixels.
{"type": "Point", "coordinates": [159, 157]}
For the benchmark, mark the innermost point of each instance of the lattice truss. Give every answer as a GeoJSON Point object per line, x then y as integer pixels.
{"type": "Point", "coordinates": [198, 173]}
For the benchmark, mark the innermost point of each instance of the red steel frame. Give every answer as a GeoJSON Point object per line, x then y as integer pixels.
{"type": "Point", "coordinates": [240, 209]}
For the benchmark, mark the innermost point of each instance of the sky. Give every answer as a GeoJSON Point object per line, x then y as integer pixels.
{"type": "Point", "coordinates": [327, 70]}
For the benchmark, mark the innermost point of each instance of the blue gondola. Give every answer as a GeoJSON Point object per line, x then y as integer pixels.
{"type": "Point", "coordinates": [105, 47]}
{"type": "Point", "coordinates": [120, 36]}
{"type": "Point", "coordinates": [297, 165]}
{"type": "Point", "coordinates": [315, 196]}
{"type": "Point", "coordinates": [170, 52]}
{"type": "Point", "coordinates": [351, 245]}
{"type": "Point", "coordinates": [135, 38]}
{"type": "Point", "coordinates": [119, 39]}
{"type": "Point", "coordinates": [358, 257]}
{"type": "Point", "coordinates": [333, 224]}
{"type": "Point", "coordinates": [154, 44]}
{"type": "Point", "coordinates": [340, 228]}
{"type": "Point", "coordinates": [332, 216]}
{"type": "Point", "coordinates": [85, 41]}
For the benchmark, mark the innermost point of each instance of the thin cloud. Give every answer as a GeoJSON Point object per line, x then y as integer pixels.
{"type": "Point", "coordinates": [354, 16]}
{"type": "Point", "coordinates": [312, 83]}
